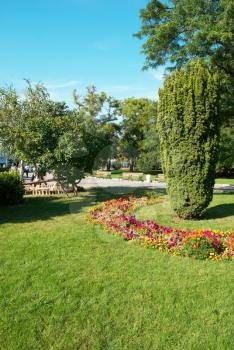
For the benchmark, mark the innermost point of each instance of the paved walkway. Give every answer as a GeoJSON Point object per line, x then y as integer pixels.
{"type": "Point", "coordinates": [91, 182]}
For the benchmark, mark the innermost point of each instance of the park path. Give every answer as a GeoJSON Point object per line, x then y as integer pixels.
{"type": "Point", "coordinates": [91, 182]}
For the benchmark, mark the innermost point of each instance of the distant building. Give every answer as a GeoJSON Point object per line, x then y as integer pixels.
{"type": "Point", "coordinates": [3, 160]}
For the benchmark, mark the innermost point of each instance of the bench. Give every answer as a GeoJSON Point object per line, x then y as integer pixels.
{"type": "Point", "coordinates": [42, 188]}
{"type": "Point", "coordinates": [127, 175]}
{"type": "Point", "coordinates": [100, 173]}
{"type": "Point", "coordinates": [160, 178]}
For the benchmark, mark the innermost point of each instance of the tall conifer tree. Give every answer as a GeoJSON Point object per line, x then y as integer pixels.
{"type": "Point", "coordinates": [188, 124]}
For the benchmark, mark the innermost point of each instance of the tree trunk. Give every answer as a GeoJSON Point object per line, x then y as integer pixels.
{"type": "Point", "coordinates": [108, 165]}
{"type": "Point", "coordinates": [21, 169]}
{"type": "Point", "coordinates": [131, 166]}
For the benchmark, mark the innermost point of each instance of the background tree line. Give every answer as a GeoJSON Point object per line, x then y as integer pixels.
{"type": "Point", "coordinates": [48, 134]}
{"type": "Point", "coordinates": [42, 132]}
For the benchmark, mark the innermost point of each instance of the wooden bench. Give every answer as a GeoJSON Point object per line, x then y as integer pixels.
{"type": "Point", "coordinates": [102, 173]}
{"type": "Point", "coordinates": [160, 178]}
{"type": "Point", "coordinates": [127, 175]}
{"type": "Point", "coordinates": [42, 188]}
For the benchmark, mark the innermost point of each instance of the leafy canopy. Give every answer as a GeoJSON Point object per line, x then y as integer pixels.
{"type": "Point", "coordinates": [39, 131]}
{"type": "Point", "coordinates": [137, 116]}
{"type": "Point", "coordinates": [178, 31]}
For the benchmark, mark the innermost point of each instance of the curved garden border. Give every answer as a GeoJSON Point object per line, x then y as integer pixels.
{"type": "Point", "coordinates": [117, 217]}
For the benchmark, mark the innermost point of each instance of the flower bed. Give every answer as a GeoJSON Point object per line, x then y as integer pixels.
{"type": "Point", "coordinates": [117, 217]}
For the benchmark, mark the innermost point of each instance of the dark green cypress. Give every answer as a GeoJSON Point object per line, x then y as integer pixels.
{"type": "Point", "coordinates": [188, 125]}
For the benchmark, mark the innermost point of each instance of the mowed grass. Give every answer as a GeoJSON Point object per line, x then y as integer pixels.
{"type": "Point", "coordinates": [219, 215]}
{"type": "Point", "coordinates": [226, 181]}
{"type": "Point", "coordinates": [66, 284]}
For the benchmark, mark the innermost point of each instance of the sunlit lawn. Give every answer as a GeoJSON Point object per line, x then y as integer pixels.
{"type": "Point", "coordinates": [227, 181]}
{"type": "Point", "coordinates": [219, 215]}
{"type": "Point", "coordinates": [66, 284]}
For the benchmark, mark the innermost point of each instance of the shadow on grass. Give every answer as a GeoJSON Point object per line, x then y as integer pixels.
{"type": "Point", "coordinates": [43, 208]}
{"type": "Point", "coordinates": [219, 211]}
{"type": "Point", "coordinates": [34, 209]}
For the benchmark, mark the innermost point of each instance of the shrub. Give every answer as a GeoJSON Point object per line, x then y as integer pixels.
{"type": "Point", "coordinates": [153, 172]}
{"type": "Point", "coordinates": [114, 172]}
{"type": "Point", "coordinates": [188, 125]}
{"type": "Point", "coordinates": [41, 172]}
{"type": "Point", "coordinates": [11, 188]}
{"type": "Point", "coordinates": [141, 178]}
{"type": "Point", "coordinates": [116, 165]}
{"type": "Point", "coordinates": [2, 170]}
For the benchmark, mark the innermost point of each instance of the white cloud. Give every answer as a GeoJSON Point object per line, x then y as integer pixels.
{"type": "Point", "coordinates": [61, 85]}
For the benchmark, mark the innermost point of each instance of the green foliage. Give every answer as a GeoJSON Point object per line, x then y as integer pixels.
{"type": "Point", "coordinates": [41, 171]}
{"type": "Point", "coordinates": [188, 125]}
{"type": "Point", "coordinates": [114, 172]}
{"type": "Point", "coordinates": [6, 168]}
{"type": "Point", "coordinates": [39, 131]}
{"type": "Point", "coordinates": [116, 165]}
{"type": "Point", "coordinates": [149, 159]}
{"type": "Point", "coordinates": [198, 247]}
{"type": "Point", "coordinates": [225, 165]}
{"type": "Point", "coordinates": [97, 114]}
{"type": "Point", "coordinates": [30, 128]}
{"type": "Point", "coordinates": [137, 117]}
{"type": "Point", "coordinates": [11, 188]}
{"type": "Point", "coordinates": [68, 177]}
{"type": "Point", "coordinates": [177, 31]}
{"type": "Point", "coordinates": [141, 178]}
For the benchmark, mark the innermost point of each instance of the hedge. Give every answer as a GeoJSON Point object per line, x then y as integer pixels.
{"type": "Point", "coordinates": [11, 188]}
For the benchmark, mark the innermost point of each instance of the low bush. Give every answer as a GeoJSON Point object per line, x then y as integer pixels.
{"type": "Point", "coordinates": [2, 170]}
{"type": "Point", "coordinates": [114, 172]}
{"type": "Point", "coordinates": [11, 188]}
{"type": "Point", "coordinates": [41, 172]}
{"type": "Point", "coordinates": [141, 178]}
{"type": "Point", "coordinates": [116, 165]}
{"type": "Point", "coordinates": [153, 172]}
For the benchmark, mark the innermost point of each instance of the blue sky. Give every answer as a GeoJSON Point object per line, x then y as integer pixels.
{"type": "Point", "coordinates": [69, 44]}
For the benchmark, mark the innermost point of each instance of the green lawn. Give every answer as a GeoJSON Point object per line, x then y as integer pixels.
{"type": "Point", "coordinates": [66, 284]}
{"type": "Point", "coordinates": [219, 215]}
{"type": "Point", "coordinates": [224, 181]}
